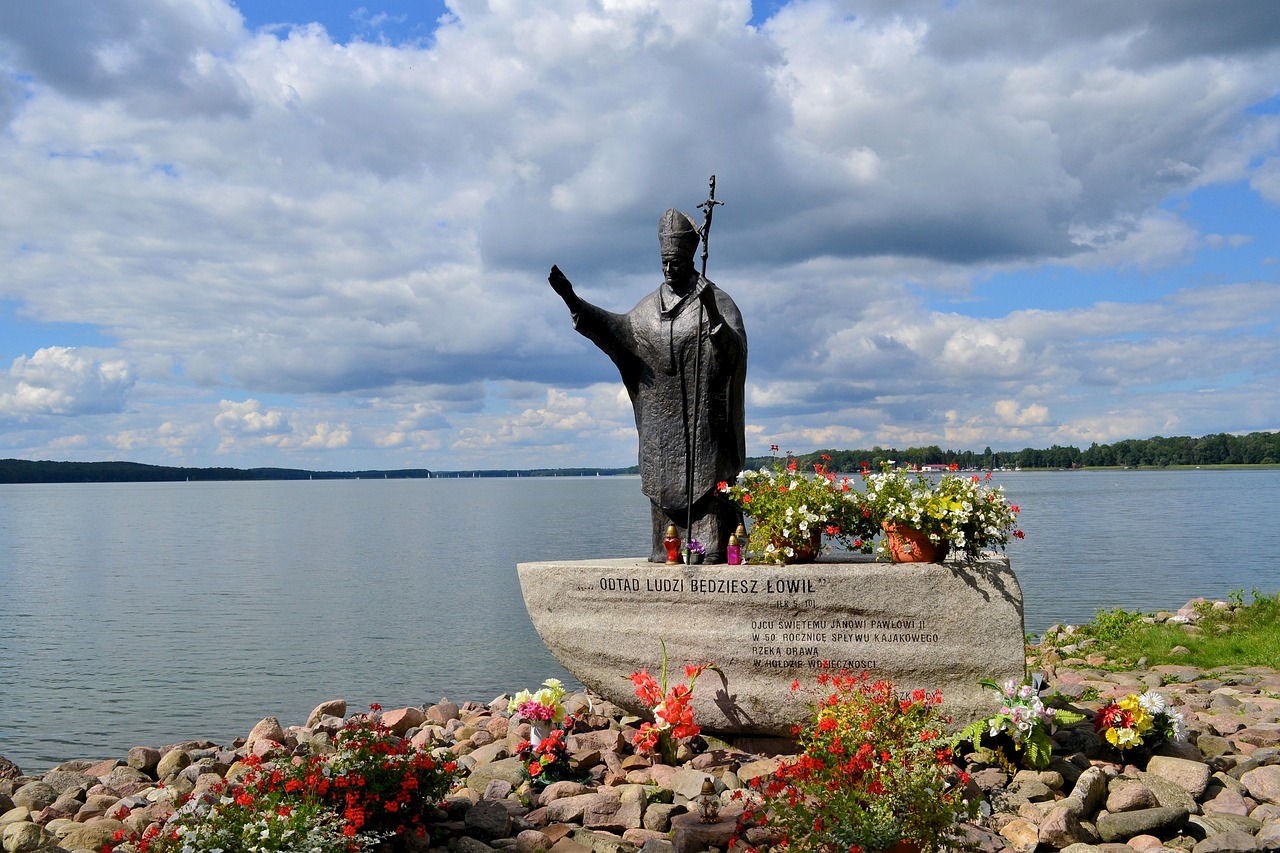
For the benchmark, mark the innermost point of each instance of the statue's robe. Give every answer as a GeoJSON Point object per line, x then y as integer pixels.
{"type": "Point", "coordinates": [681, 413]}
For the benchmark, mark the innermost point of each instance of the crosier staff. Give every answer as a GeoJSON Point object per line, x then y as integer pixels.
{"type": "Point", "coordinates": [708, 207]}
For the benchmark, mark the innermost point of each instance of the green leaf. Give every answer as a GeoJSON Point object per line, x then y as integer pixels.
{"type": "Point", "coordinates": [1065, 716]}
{"type": "Point", "coordinates": [972, 732]}
{"type": "Point", "coordinates": [1038, 749]}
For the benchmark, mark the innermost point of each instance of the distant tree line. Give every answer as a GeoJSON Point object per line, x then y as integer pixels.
{"type": "Point", "coordinates": [25, 471]}
{"type": "Point", "coordinates": [1256, 448]}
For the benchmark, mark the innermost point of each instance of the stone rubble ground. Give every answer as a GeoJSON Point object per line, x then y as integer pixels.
{"type": "Point", "coordinates": [1219, 792]}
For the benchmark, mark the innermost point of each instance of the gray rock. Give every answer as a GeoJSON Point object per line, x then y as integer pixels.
{"type": "Point", "coordinates": [35, 795]}
{"type": "Point", "coordinates": [922, 623]}
{"type": "Point", "coordinates": [1214, 824]}
{"type": "Point", "coordinates": [1260, 734]}
{"type": "Point", "coordinates": [657, 845]}
{"type": "Point", "coordinates": [1233, 841]}
{"type": "Point", "coordinates": [509, 769]}
{"type": "Point", "coordinates": [572, 809]}
{"type": "Point", "coordinates": [488, 819]}
{"type": "Point", "coordinates": [127, 780]}
{"type": "Point", "coordinates": [1091, 789]}
{"type": "Point", "coordinates": [1212, 746]}
{"type": "Point", "coordinates": [1032, 788]}
{"type": "Point", "coordinates": [70, 780]}
{"type": "Point", "coordinates": [1170, 794]}
{"type": "Point", "coordinates": [467, 844]}
{"type": "Point", "coordinates": [1122, 826]}
{"type": "Point", "coordinates": [657, 816]}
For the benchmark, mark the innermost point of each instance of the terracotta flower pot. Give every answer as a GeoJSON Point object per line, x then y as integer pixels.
{"type": "Point", "coordinates": [908, 545]}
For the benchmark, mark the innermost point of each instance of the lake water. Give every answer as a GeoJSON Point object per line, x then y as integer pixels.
{"type": "Point", "coordinates": [155, 612]}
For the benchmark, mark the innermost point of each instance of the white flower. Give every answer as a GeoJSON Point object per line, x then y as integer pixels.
{"type": "Point", "coordinates": [1177, 725]}
{"type": "Point", "coordinates": [1153, 703]}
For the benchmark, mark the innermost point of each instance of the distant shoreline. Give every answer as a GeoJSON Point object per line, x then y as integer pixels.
{"type": "Point", "coordinates": [21, 471]}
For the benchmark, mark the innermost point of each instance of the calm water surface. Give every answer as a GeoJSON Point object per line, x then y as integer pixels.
{"type": "Point", "coordinates": [150, 613]}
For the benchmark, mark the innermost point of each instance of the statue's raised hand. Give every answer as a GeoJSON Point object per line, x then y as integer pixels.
{"type": "Point", "coordinates": [560, 283]}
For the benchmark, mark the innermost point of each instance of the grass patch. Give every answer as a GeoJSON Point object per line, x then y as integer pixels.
{"type": "Point", "coordinates": [1244, 634]}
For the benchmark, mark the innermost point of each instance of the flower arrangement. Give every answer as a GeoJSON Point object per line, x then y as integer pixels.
{"type": "Point", "coordinates": [790, 510]}
{"type": "Point", "coordinates": [544, 706]}
{"type": "Point", "coordinates": [547, 760]}
{"type": "Point", "coordinates": [1024, 720]}
{"type": "Point", "coordinates": [966, 513]}
{"type": "Point", "coordinates": [694, 551]}
{"type": "Point", "coordinates": [1138, 721]}
{"type": "Point", "coordinates": [875, 769]}
{"type": "Point", "coordinates": [382, 782]}
{"type": "Point", "coordinates": [372, 787]}
{"type": "Point", "coordinates": [266, 809]}
{"type": "Point", "coordinates": [672, 710]}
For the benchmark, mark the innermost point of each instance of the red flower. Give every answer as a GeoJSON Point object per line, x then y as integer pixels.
{"type": "Point", "coordinates": [722, 486]}
{"type": "Point", "coordinates": [773, 448]}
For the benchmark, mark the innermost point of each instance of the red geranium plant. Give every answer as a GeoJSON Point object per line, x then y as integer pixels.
{"type": "Point", "coordinates": [372, 787]}
{"type": "Point", "coordinates": [875, 769]}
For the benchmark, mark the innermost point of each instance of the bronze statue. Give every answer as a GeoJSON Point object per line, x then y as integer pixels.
{"type": "Point", "coordinates": [682, 354]}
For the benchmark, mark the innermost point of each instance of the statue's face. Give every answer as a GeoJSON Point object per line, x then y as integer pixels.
{"type": "Point", "coordinates": [677, 269]}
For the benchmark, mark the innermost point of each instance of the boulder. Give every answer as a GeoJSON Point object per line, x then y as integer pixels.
{"type": "Point", "coordinates": [1122, 826]}
{"type": "Point", "coordinates": [1127, 795]}
{"type": "Point", "coordinates": [268, 728]}
{"type": "Point", "coordinates": [1262, 783]}
{"type": "Point", "coordinates": [92, 836]}
{"type": "Point", "coordinates": [1061, 828]}
{"type": "Point", "coordinates": [401, 720]}
{"type": "Point", "coordinates": [1191, 776]}
{"type": "Point", "coordinates": [35, 795]}
{"type": "Point", "coordinates": [331, 708]}
{"type": "Point", "coordinates": [920, 625]}
{"type": "Point", "coordinates": [143, 759]}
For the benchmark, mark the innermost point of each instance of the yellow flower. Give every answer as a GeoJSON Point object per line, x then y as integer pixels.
{"type": "Point", "coordinates": [1123, 738]}
{"type": "Point", "coordinates": [1142, 721]}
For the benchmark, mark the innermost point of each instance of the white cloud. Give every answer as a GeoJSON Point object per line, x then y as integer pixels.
{"type": "Point", "coordinates": [64, 381]}
{"type": "Point", "coordinates": [359, 233]}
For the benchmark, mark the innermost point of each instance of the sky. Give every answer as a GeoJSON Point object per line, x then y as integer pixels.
{"type": "Point", "coordinates": [317, 234]}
